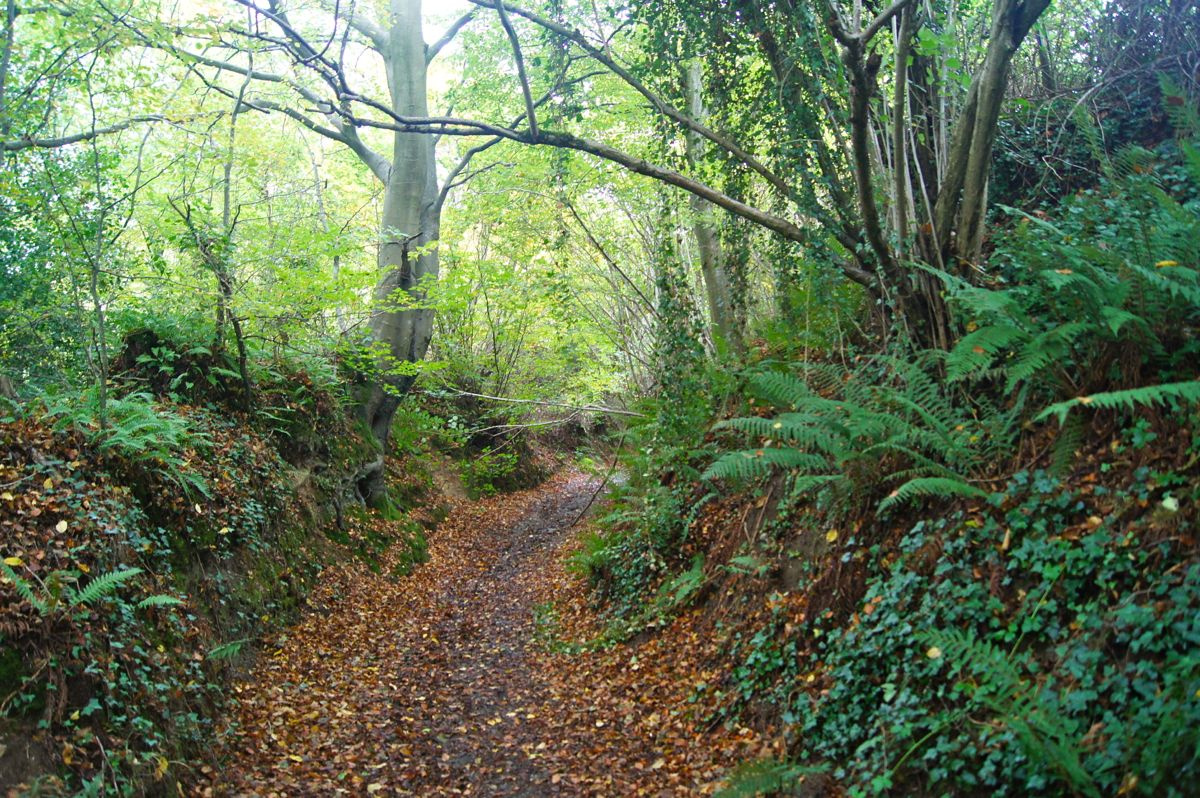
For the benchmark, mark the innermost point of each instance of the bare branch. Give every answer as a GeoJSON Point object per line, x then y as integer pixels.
{"type": "Point", "coordinates": [432, 50]}
{"type": "Point", "coordinates": [522, 75]}
{"type": "Point", "coordinates": [27, 142]}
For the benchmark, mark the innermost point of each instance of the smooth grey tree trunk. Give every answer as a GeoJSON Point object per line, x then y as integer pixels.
{"type": "Point", "coordinates": [400, 325]}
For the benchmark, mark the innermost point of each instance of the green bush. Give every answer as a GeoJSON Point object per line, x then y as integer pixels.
{"type": "Point", "coordinates": [484, 474]}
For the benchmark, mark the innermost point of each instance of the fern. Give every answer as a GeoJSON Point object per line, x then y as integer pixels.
{"type": "Point", "coordinates": [888, 412]}
{"type": "Point", "coordinates": [1043, 733]}
{"type": "Point", "coordinates": [764, 777]}
{"type": "Point", "coordinates": [1131, 399]}
{"type": "Point", "coordinates": [760, 462]}
{"type": "Point", "coordinates": [158, 601]}
{"type": "Point", "coordinates": [924, 487]}
{"type": "Point", "coordinates": [781, 390]}
{"type": "Point", "coordinates": [104, 585]}
{"type": "Point", "coordinates": [23, 588]}
{"type": "Point", "coordinates": [1069, 439]}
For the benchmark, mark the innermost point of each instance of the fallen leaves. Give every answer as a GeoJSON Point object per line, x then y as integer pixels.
{"type": "Point", "coordinates": [433, 684]}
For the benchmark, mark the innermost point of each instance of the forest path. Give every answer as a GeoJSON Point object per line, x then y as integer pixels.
{"type": "Point", "coordinates": [434, 684]}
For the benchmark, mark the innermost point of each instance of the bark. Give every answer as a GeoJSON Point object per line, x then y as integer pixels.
{"type": "Point", "coordinates": [725, 327]}
{"type": "Point", "coordinates": [400, 325]}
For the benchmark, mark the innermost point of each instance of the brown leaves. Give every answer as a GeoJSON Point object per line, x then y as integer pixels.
{"type": "Point", "coordinates": [433, 684]}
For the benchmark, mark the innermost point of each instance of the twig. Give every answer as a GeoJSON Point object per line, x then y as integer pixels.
{"type": "Point", "coordinates": [603, 482]}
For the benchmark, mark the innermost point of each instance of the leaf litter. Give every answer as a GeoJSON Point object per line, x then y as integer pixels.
{"type": "Point", "coordinates": [435, 684]}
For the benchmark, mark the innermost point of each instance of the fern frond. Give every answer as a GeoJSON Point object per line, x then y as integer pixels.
{"type": "Point", "coordinates": [1052, 345]}
{"type": "Point", "coordinates": [976, 350]}
{"type": "Point", "coordinates": [926, 487]}
{"type": "Point", "coordinates": [1181, 283]}
{"type": "Point", "coordinates": [1069, 439]}
{"type": "Point", "coordinates": [807, 482]}
{"type": "Point", "coordinates": [104, 585]}
{"type": "Point", "coordinates": [24, 589]}
{"type": "Point", "coordinates": [807, 429]}
{"type": "Point", "coordinates": [781, 390]}
{"type": "Point", "coordinates": [1131, 399]}
{"type": "Point", "coordinates": [765, 777]}
{"type": "Point", "coordinates": [158, 601]}
{"type": "Point", "coordinates": [760, 462]}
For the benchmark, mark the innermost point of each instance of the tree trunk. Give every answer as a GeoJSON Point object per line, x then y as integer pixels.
{"type": "Point", "coordinates": [726, 332]}
{"type": "Point", "coordinates": [400, 325]}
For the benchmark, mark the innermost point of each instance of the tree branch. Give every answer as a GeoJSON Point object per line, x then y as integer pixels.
{"type": "Point", "coordinates": [431, 51]}
{"type": "Point", "coordinates": [522, 75]}
{"type": "Point", "coordinates": [27, 142]}
{"type": "Point", "coordinates": [658, 103]}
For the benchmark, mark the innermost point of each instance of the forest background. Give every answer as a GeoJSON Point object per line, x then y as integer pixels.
{"type": "Point", "coordinates": [930, 268]}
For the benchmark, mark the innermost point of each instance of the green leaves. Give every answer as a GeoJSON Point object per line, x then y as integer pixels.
{"type": "Point", "coordinates": [1147, 395]}
{"type": "Point", "coordinates": [887, 422]}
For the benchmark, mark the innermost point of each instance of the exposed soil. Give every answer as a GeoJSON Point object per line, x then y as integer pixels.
{"type": "Point", "coordinates": [435, 684]}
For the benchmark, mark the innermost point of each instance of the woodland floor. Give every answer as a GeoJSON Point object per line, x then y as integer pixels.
{"type": "Point", "coordinates": [438, 683]}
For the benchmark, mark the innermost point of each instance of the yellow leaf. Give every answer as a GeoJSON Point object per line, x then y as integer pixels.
{"type": "Point", "coordinates": [48, 484]}
{"type": "Point", "coordinates": [831, 535]}
{"type": "Point", "coordinates": [60, 527]}
{"type": "Point", "coordinates": [84, 567]}
{"type": "Point", "coordinates": [13, 562]}
{"type": "Point", "coordinates": [223, 530]}
{"type": "Point", "coordinates": [1166, 264]}
{"type": "Point", "coordinates": [934, 652]}
{"type": "Point", "coordinates": [295, 758]}
{"type": "Point", "coordinates": [160, 769]}
{"type": "Point", "coordinates": [6, 496]}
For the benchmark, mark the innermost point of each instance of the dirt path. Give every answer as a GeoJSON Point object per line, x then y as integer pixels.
{"type": "Point", "coordinates": [433, 684]}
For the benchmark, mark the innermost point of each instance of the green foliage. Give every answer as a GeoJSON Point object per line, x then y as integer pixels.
{"type": "Point", "coordinates": [484, 473]}
{"type": "Point", "coordinates": [765, 777]}
{"type": "Point", "coordinates": [885, 423]}
{"type": "Point", "coordinates": [58, 593]}
{"type": "Point", "coordinates": [1145, 396]}
{"type": "Point", "coordinates": [1098, 300]}
{"type": "Point", "coordinates": [1018, 661]}
{"type": "Point", "coordinates": [137, 430]}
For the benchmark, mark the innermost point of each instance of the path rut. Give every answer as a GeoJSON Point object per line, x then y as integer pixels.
{"type": "Point", "coordinates": [433, 684]}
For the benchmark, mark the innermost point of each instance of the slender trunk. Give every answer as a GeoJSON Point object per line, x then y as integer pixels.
{"type": "Point", "coordinates": [10, 19]}
{"type": "Point", "coordinates": [219, 259]}
{"type": "Point", "coordinates": [958, 214]}
{"type": "Point", "coordinates": [725, 328]}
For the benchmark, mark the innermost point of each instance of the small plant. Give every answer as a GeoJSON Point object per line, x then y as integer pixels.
{"type": "Point", "coordinates": [59, 594]}
{"type": "Point", "coordinates": [137, 430]}
{"type": "Point", "coordinates": [484, 474]}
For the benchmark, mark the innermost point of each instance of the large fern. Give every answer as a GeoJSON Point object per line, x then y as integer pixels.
{"type": "Point", "coordinates": [887, 424]}
{"type": "Point", "coordinates": [1107, 281]}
